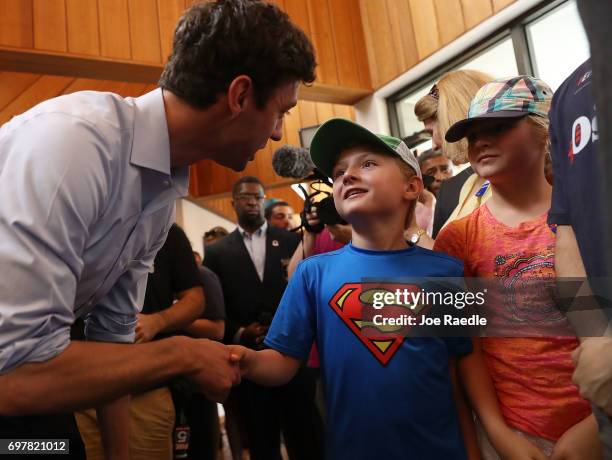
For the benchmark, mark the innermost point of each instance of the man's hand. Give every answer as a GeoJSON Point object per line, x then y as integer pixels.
{"type": "Point", "coordinates": [147, 327]}
{"type": "Point", "coordinates": [580, 442]}
{"type": "Point", "coordinates": [312, 217]}
{"type": "Point", "coordinates": [253, 334]}
{"type": "Point", "coordinates": [593, 374]}
{"type": "Point", "coordinates": [216, 367]}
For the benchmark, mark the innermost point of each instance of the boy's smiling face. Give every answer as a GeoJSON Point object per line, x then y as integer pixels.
{"type": "Point", "coordinates": [367, 183]}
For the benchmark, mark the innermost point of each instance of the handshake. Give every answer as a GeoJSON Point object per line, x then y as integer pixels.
{"type": "Point", "coordinates": [214, 367]}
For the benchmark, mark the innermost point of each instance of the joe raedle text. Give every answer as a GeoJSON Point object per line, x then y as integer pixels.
{"type": "Point", "coordinates": [424, 320]}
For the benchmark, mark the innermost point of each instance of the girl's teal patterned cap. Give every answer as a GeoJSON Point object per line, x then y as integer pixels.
{"type": "Point", "coordinates": [504, 98]}
{"type": "Point", "coordinates": [338, 133]}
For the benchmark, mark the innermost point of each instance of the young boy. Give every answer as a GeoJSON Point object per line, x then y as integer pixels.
{"type": "Point", "coordinates": [508, 239]}
{"type": "Point", "coordinates": [391, 398]}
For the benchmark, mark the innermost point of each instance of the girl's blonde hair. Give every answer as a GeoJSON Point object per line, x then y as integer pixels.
{"type": "Point", "coordinates": [454, 92]}
{"type": "Point", "coordinates": [539, 126]}
{"type": "Point", "coordinates": [457, 89]}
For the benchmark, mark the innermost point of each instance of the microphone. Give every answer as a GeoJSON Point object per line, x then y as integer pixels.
{"type": "Point", "coordinates": [292, 162]}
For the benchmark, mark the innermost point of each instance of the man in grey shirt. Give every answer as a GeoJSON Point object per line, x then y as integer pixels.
{"type": "Point", "coordinates": [89, 182]}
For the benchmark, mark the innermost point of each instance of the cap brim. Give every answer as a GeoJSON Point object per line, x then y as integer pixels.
{"type": "Point", "coordinates": [459, 130]}
{"type": "Point", "coordinates": [333, 136]}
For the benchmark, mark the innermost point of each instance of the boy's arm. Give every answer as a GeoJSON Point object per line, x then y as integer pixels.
{"type": "Point", "coordinates": [266, 367]}
{"type": "Point", "coordinates": [478, 386]}
{"type": "Point", "coordinates": [464, 413]}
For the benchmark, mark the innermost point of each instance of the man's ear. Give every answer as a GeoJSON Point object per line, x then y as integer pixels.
{"type": "Point", "coordinates": [238, 94]}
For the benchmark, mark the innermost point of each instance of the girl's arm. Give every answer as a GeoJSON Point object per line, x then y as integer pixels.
{"type": "Point", "coordinates": [479, 389]}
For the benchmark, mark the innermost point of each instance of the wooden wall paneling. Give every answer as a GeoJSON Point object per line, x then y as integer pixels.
{"type": "Point", "coordinates": [287, 194]}
{"type": "Point", "coordinates": [499, 5]}
{"type": "Point", "coordinates": [361, 49]}
{"type": "Point", "coordinates": [343, 111]}
{"type": "Point", "coordinates": [84, 84]}
{"type": "Point", "coordinates": [145, 31]}
{"type": "Point", "coordinates": [293, 123]}
{"type": "Point", "coordinates": [16, 18]}
{"type": "Point", "coordinates": [403, 33]}
{"type": "Point", "coordinates": [115, 39]}
{"type": "Point", "coordinates": [322, 38]}
{"type": "Point", "coordinates": [298, 12]}
{"type": "Point", "coordinates": [425, 27]}
{"type": "Point", "coordinates": [169, 12]}
{"type": "Point", "coordinates": [46, 87]}
{"type": "Point", "coordinates": [382, 51]}
{"type": "Point", "coordinates": [308, 113]}
{"type": "Point", "coordinates": [325, 111]}
{"type": "Point", "coordinates": [342, 34]}
{"type": "Point", "coordinates": [449, 15]}
{"type": "Point", "coordinates": [279, 3]}
{"type": "Point", "coordinates": [127, 89]}
{"type": "Point", "coordinates": [83, 27]}
{"type": "Point", "coordinates": [476, 11]}
{"type": "Point", "coordinates": [50, 25]}
{"type": "Point", "coordinates": [12, 84]}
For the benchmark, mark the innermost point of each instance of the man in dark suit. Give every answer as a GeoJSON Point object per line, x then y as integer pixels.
{"type": "Point", "coordinates": [251, 263]}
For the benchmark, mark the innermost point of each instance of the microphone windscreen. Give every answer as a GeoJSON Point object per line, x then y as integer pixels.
{"type": "Point", "coordinates": [293, 162]}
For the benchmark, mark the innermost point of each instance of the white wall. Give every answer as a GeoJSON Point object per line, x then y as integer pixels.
{"type": "Point", "coordinates": [196, 220]}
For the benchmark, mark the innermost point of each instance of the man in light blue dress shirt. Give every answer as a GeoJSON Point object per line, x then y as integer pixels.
{"type": "Point", "coordinates": [89, 182]}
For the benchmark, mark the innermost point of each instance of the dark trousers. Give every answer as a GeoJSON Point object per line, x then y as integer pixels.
{"type": "Point", "coordinates": [45, 427]}
{"type": "Point", "coordinates": [205, 431]}
{"type": "Point", "coordinates": [289, 409]}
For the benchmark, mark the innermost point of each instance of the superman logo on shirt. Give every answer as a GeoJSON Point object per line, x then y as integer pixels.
{"type": "Point", "coordinates": [353, 303]}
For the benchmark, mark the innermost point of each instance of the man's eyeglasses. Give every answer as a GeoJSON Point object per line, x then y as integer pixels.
{"type": "Point", "coordinates": [249, 196]}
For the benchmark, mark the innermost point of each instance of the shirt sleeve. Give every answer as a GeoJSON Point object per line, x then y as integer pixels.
{"type": "Point", "coordinates": [213, 295]}
{"type": "Point", "coordinates": [558, 210]}
{"type": "Point", "coordinates": [293, 328]}
{"type": "Point", "coordinates": [114, 317]}
{"type": "Point", "coordinates": [52, 178]}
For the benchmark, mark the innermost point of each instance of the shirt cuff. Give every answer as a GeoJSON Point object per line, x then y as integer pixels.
{"type": "Point", "coordinates": [106, 329]}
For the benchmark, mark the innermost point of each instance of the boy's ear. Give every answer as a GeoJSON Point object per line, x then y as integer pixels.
{"type": "Point", "coordinates": [414, 188]}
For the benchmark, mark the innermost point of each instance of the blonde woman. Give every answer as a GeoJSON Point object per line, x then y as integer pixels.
{"type": "Point", "coordinates": [447, 102]}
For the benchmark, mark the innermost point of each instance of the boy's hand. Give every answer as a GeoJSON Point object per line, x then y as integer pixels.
{"type": "Point", "coordinates": [580, 442]}
{"type": "Point", "coordinates": [241, 356]}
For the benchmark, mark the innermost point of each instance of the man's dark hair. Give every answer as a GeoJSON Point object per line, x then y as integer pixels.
{"type": "Point", "coordinates": [270, 208]}
{"type": "Point", "coordinates": [245, 180]}
{"type": "Point", "coordinates": [428, 155]}
{"type": "Point", "coordinates": [215, 42]}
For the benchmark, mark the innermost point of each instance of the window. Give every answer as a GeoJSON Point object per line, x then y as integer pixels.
{"type": "Point", "coordinates": [558, 44]}
{"type": "Point", "coordinates": [548, 43]}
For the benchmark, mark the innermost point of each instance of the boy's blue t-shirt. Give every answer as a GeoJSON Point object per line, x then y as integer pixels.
{"type": "Point", "coordinates": [384, 400]}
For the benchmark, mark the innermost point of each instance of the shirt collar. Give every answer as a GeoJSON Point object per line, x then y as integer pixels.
{"type": "Point", "coordinates": [151, 144]}
{"type": "Point", "coordinates": [259, 232]}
